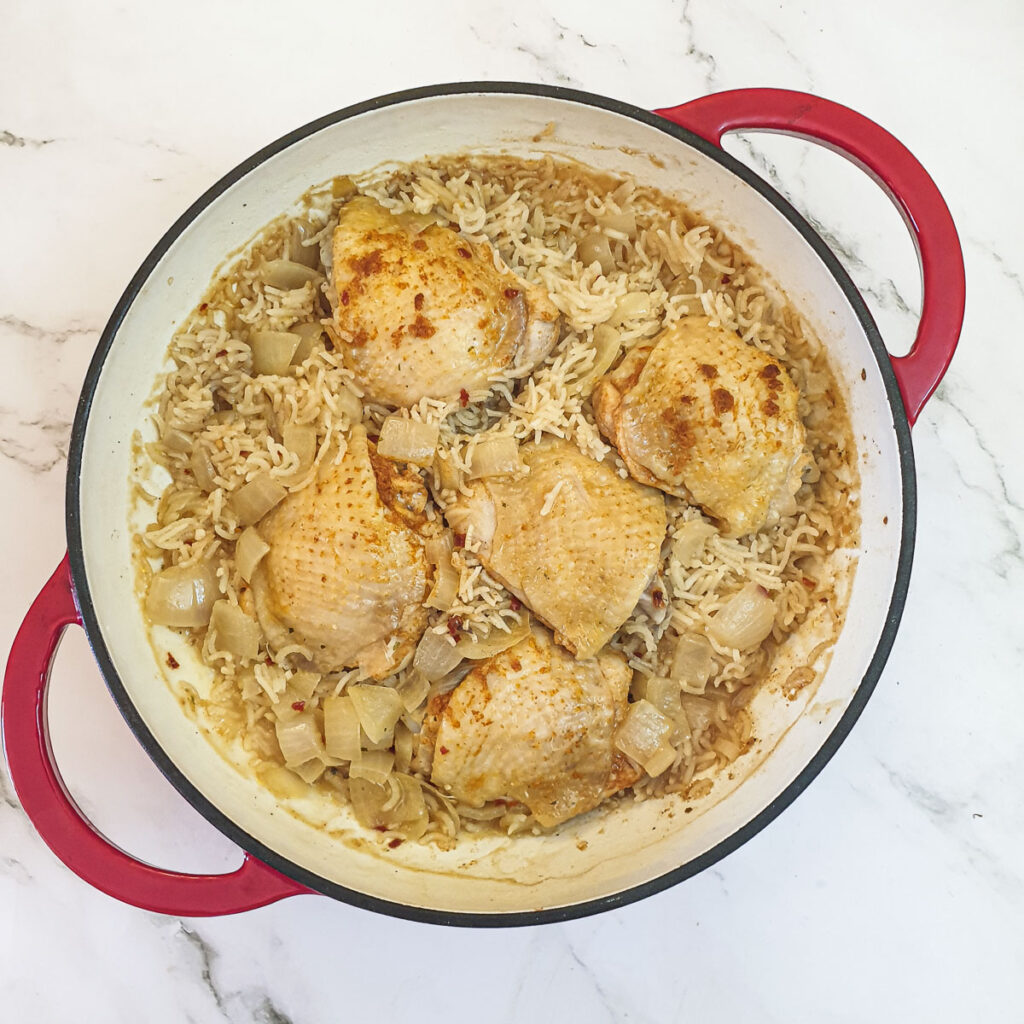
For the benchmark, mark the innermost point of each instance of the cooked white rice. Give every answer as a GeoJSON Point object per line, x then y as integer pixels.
{"type": "Point", "coordinates": [534, 215]}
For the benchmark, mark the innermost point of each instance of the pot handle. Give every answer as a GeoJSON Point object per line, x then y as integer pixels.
{"type": "Point", "coordinates": [899, 174]}
{"type": "Point", "coordinates": [62, 825]}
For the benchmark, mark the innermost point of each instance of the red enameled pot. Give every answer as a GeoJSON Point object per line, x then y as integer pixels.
{"type": "Point", "coordinates": [607, 858]}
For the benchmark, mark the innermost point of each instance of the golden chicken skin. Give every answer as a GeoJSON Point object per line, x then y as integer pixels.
{"type": "Point", "coordinates": [428, 314]}
{"type": "Point", "coordinates": [346, 572]}
{"type": "Point", "coordinates": [703, 415]}
{"type": "Point", "coordinates": [533, 725]}
{"type": "Point", "coordinates": [574, 542]}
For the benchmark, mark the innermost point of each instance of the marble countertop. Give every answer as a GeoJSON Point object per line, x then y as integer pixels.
{"type": "Point", "coordinates": [893, 889]}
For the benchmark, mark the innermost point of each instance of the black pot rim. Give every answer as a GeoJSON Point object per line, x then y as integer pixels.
{"type": "Point", "coordinates": [313, 881]}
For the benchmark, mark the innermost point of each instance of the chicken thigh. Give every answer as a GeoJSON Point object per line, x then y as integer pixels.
{"type": "Point", "coordinates": [534, 725]}
{"type": "Point", "coordinates": [426, 313]}
{"type": "Point", "coordinates": [346, 573]}
{"type": "Point", "coordinates": [574, 542]}
{"type": "Point", "coordinates": [705, 416]}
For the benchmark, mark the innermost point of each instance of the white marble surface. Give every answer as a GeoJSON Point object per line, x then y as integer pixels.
{"type": "Point", "coordinates": [893, 889]}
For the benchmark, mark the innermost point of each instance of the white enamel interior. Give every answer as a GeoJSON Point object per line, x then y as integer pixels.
{"type": "Point", "coordinates": [637, 842]}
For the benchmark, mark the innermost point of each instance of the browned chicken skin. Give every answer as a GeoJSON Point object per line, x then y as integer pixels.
{"type": "Point", "coordinates": [426, 313]}
{"type": "Point", "coordinates": [703, 415]}
{"type": "Point", "coordinates": [535, 726]}
{"type": "Point", "coordinates": [574, 542]}
{"type": "Point", "coordinates": [346, 572]}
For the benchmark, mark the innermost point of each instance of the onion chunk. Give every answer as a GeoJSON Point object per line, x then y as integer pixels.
{"type": "Point", "coordinates": [237, 633]}
{"type": "Point", "coordinates": [745, 619]}
{"type": "Point", "coordinates": [405, 440]}
{"type": "Point", "coordinates": [183, 595]}
{"type": "Point", "coordinates": [252, 501]}
{"type": "Point", "coordinates": [643, 736]}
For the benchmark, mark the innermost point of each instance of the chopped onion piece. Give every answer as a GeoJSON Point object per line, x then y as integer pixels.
{"type": "Point", "coordinates": [309, 335]}
{"type": "Point", "coordinates": [495, 456]}
{"type": "Point", "coordinates": [660, 691]}
{"type": "Point", "coordinates": [690, 539]}
{"type": "Point", "coordinates": [310, 771]}
{"type": "Point", "coordinates": [304, 683]}
{"type": "Point", "coordinates": [300, 440]}
{"type": "Point", "coordinates": [236, 632]}
{"type": "Point", "coordinates": [631, 306]}
{"type": "Point", "coordinates": [182, 595]}
{"type": "Point", "coordinates": [342, 187]}
{"type": "Point", "coordinates": [405, 440]}
{"type": "Point", "coordinates": [341, 728]}
{"type": "Point", "coordinates": [496, 641]}
{"type": "Point", "coordinates": [272, 351]}
{"type": "Point", "coordinates": [288, 275]}
{"type": "Point", "coordinates": [699, 711]}
{"type": "Point", "coordinates": [446, 586]}
{"type": "Point", "coordinates": [643, 736]}
{"type": "Point", "coordinates": [413, 689]}
{"type": "Point", "coordinates": [692, 663]}
{"type": "Point", "coordinates": [203, 470]}
{"type": "Point", "coordinates": [372, 765]}
{"type": "Point", "coordinates": [745, 619]}
{"type": "Point", "coordinates": [249, 551]}
{"type": "Point", "coordinates": [624, 222]}
{"type": "Point", "coordinates": [299, 739]}
{"type": "Point", "coordinates": [349, 404]}
{"type": "Point", "coordinates": [435, 655]}
{"type": "Point", "coordinates": [252, 501]}
{"type": "Point", "coordinates": [175, 440]}
{"type": "Point", "coordinates": [375, 805]}
{"type": "Point", "coordinates": [378, 708]}
{"type": "Point", "coordinates": [417, 223]}
{"type": "Point", "coordinates": [307, 255]}
{"type": "Point", "coordinates": [405, 741]}
{"type": "Point", "coordinates": [595, 248]}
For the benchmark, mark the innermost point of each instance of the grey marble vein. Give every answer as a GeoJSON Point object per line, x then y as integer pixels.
{"type": "Point", "coordinates": [24, 329]}
{"type": "Point", "coordinates": [6, 794]}
{"type": "Point", "coordinates": [36, 444]}
{"type": "Point", "coordinates": [8, 138]}
{"type": "Point", "coordinates": [699, 54]}
{"type": "Point", "coordinates": [1012, 553]}
{"type": "Point", "coordinates": [206, 955]}
{"type": "Point", "coordinates": [268, 1013]}
{"type": "Point", "coordinates": [950, 815]}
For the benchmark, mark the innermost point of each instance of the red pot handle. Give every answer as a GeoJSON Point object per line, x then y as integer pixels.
{"type": "Point", "coordinates": [61, 823]}
{"type": "Point", "coordinates": [903, 179]}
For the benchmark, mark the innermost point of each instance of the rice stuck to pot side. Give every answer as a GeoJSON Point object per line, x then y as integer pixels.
{"type": "Point", "coordinates": [619, 261]}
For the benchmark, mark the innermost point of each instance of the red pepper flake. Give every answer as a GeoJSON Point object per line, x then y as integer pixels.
{"type": "Point", "coordinates": [464, 253]}
{"type": "Point", "coordinates": [221, 353]}
{"type": "Point", "coordinates": [172, 661]}
{"type": "Point", "coordinates": [203, 307]}
{"type": "Point", "coordinates": [443, 750]}
{"type": "Point", "coordinates": [381, 828]}
{"type": "Point", "coordinates": [463, 398]}
{"type": "Point", "coordinates": [459, 540]}
{"type": "Point", "coordinates": [515, 604]}
{"type": "Point", "coordinates": [726, 279]}
{"type": "Point", "coordinates": [658, 599]}
{"type": "Point", "coordinates": [344, 298]}
{"type": "Point", "coordinates": [808, 583]}
{"type": "Point", "coordinates": [375, 438]}
{"type": "Point", "coordinates": [298, 705]}
{"type": "Point", "coordinates": [268, 660]}
{"type": "Point", "coordinates": [454, 626]}
{"type": "Point", "coordinates": [395, 844]}
{"type": "Point", "coordinates": [511, 293]}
